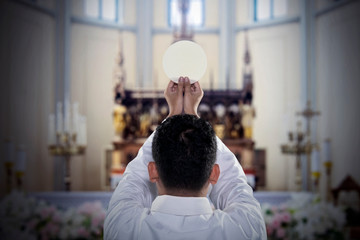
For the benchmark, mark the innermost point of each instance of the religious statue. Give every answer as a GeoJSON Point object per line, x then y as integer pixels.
{"type": "Point", "coordinates": [248, 114]}
{"type": "Point", "coordinates": [145, 124]}
{"type": "Point", "coordinates": [119, 120]}
{"type": "Point", "coordinates": [232, 122]}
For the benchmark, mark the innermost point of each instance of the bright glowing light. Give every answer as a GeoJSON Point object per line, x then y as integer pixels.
{"type": "Point", "coordinates": [185, 59]}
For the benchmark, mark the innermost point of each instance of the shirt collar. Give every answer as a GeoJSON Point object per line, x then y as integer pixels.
{"type": "Point", "coordinates": [181, 205]}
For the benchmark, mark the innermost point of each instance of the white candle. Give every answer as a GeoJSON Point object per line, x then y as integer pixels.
{"type": "Point", "coordinates": [20, 163]}
{"type": "Point", "coordinates": [84, 126]}
{"type": "Point", "coordinates": [75, 118]}
{"type": "Point", "coordinates": [315, 162]}
{"type": "Point", "coordinates": [82, 131]}
{"type": "Point", "coordinates": [59, 118]}
{"type": "Point", "coordinates": [51, 130]}
{"type": "Point", "coordinates": [8, 151]}
{"type": "Point", "coordinates": [327, 150]}
{"type": "Point", "coordinates": [67, 117]}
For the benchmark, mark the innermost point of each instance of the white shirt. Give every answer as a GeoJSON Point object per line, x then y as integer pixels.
{"type": "Point", "coordinates": [136, 212]}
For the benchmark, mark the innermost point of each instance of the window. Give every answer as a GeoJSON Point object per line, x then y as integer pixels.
{"type": "Point", "coordinates": [92, 8]}
{"type": "Point", "coordinates": [102, 9]}
{"type": "Point", "coordinates": [195, 15]}
{"type": "Point", "coordinates": [269, 9]}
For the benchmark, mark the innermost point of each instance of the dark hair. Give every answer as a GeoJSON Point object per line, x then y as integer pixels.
{"type": "Point", "coordinates": [184, 151]}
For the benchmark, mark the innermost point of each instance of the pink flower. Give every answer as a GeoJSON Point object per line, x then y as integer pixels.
{"type": "Point", "coordinates": [275, 223]}
{"type": "Point", "coordinates": [98, 219]}
{"type": "Point", "coordinates": [90, 209]}
{"type": "Point", "coordinates": [85, 208]}
{"type": "Point", "coordinates": [286, 217]}
{"type": "Point", "coordinates": [47, 211]}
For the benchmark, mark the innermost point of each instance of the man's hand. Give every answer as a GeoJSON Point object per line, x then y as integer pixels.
{"type": "Point", "coordinates": [174, 97]}
{"type": "Point", "coordinates": [192, 97]}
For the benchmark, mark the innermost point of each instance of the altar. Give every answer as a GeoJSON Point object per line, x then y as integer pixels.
{"type": "Point", "coordinates": [67, 200]}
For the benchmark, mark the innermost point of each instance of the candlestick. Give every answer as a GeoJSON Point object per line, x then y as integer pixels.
{"type": "Point", "coordinates": [304, 146]}
{"type": "Point", "coordinates": [70, 135]}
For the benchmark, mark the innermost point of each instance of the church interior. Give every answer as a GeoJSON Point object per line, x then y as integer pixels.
{"type": "Point", "coordinates": [82, 87]}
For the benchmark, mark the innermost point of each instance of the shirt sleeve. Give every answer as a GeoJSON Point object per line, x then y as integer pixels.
{"type": "Point", "coordinates": [234, 196]}
{"type": "Point", "coordinates": [132, 198]}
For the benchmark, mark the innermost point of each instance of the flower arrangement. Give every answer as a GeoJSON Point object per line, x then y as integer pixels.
{"type": "Point", "coordinates": [23, 217]}
{"type": "Point", "coordinates": [304, 218]}
{"type": "Point", "coordinates": [279, 221]}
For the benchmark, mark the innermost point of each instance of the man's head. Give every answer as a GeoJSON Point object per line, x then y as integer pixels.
{"type": "Point", "coordinates": [184, 151]}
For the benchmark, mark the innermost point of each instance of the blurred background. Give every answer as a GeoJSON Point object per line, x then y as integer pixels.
{"type": "Point", "coordinates": [82, 87]}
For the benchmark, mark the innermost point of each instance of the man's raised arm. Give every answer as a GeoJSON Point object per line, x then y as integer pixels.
{"type": "Point", "coordinates": [231, 193]}
{"type": "Point", "coordinates": [234, 196]}
{"type": "Point", "coordinates": [134, 194]}
{"type": "Point", "coordinates": [131, 198]}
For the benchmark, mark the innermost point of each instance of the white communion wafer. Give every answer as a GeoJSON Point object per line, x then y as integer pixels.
{"type": "Point", "coordinates": [185, 59]}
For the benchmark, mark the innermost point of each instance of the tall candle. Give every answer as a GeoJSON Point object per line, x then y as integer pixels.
{"type": "Point", "coordinates": [75, 118]}
{"type": "Point", "coordinates": [315, 162]}
{"type": "Point", "coordinates": [51, 130]}
{"type": "Point", "coordinates": [84, 126]}
{"type": "Point", "coordinates": [20, 163]}
{"type": "Point", "coordinates": [59, 118]}
{"type": "Point", "coordinates": [82, 131]}
{"type": "Point", "coordinates": [327, 150]}
{"type": "Point", "coordinates": [67, 116]}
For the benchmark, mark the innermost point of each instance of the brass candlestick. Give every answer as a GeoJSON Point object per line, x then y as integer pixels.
{"type": "Point", "coordinates": [66, 148]}
{"type": "Point", "coordinates": [301, 146]}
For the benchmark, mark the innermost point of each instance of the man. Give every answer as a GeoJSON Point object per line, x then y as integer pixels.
{"type": "Point", "coordinates": [182, 211]}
